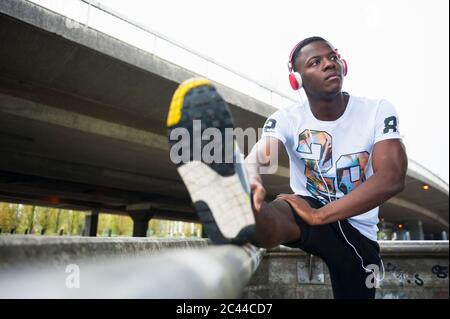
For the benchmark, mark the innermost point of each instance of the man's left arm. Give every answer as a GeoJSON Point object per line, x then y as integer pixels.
{"type": "Point", "coordinates": [389, 163]}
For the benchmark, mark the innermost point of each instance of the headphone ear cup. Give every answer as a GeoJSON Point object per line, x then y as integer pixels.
{"type": "Point", "coordinates": [295, 80]}
{"type": "Point", "coordinates": [344, 67]}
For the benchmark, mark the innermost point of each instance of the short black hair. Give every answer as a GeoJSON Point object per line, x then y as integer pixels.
{"type": "Point", "coordinates": [302, 44]}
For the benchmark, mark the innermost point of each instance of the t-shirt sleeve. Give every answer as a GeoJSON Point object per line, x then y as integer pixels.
{"type": "Point", "coordinates": [276, 126]}
{"type": "Point", "coordinates": [386, 122]}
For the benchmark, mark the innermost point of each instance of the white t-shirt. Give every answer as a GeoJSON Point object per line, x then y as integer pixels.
{"type": "Point", "coordinates": [341, 149]}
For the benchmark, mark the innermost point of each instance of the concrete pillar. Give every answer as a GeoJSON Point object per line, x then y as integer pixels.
{"type": "Point", "coordinates": [407, 235]}
{"type": "Point", "coordinates": [91, 224]}
{"type": "Point", "coordinates": [204, 235]}
{"type": "Point", "coordinates": [140, 222]}
{"type": "Point", "coordinates": [421, 233]}
{"type": "Point", "coordinates": [415, 229]}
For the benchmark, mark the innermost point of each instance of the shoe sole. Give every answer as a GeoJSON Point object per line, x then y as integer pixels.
{"type": "Point", "coordinates": [219, 191]}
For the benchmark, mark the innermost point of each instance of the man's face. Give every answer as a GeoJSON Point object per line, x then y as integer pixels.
{"type": "Point", "coordinates": [321, 70]}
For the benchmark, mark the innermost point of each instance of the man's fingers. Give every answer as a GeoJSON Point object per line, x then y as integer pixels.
{"type": "Point", "coordinates": [259, 193]}
{"type": "Point", "coordinates": [259, 199]}
{"type": "Point", "coordinates": [285, 196]}
{"type": "Point", "coordinates": [257, 203]}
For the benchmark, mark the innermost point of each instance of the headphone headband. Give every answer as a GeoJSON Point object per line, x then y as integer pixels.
{"type": "Point", "coordinates": [295, 78]}
{"type": "Point", "coordinates": [290, 64]}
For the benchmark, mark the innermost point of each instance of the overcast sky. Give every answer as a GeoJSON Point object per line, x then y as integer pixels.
{"type": "Point", "coordinates": [396, 49]}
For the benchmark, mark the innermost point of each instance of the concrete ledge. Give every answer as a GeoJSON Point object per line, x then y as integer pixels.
{"type": "Point", "coordinates": [22, 251]}
{"type": "Point", "coordinates": [169, 268]}
{"type": "Point", "coordinates": [413, 270]}
{"type": "Point", "coordinates": [391, 248]}
{"type": "Point", "coordinates": [73, 267]}
{"type": "Point", "coordinates": [414, 248]}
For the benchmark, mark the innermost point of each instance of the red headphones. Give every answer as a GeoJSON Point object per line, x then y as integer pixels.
{"type": "Point", "coordinates": [295, 79]}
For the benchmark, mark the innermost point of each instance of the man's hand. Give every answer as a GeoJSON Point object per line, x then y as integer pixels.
{"type": "Point", "coordinates": [259, 193]}
{"type": "Point", "coordinates": [310, 215]}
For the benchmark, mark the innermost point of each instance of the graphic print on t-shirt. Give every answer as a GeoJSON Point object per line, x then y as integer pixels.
{"type": "Point", "coordinates": [317, 154]}
{"type": "Point", "coordinates": [315, 148]}
{"type": "Point", "coordinates": [350, 171]}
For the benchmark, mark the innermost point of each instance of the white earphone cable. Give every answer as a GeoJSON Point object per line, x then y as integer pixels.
{"type": "Point", "coordinates": [339, 222]}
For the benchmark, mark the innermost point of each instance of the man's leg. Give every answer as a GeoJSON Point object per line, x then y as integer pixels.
{"type": "Point", "coordinates": [218, 185]}
{"type": "Point", "coordinates": [275, 225]}
{"type": "Point", "coordinates": [199, 124]}
{"type": "Point", "coordinates": [348, 278]}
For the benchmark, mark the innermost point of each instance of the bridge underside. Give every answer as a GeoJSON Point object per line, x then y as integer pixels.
{"type": "Point", "coordinates": [83, 130]}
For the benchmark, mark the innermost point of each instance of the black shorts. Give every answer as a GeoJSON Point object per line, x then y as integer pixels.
{"type": "Point", "coordinates": [348, 278]}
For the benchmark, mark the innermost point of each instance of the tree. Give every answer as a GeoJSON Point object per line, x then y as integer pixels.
{"type": "Point", "coordinates": [122, 225]}
{"type": "Point", "coordinates": [7, 216]}
{"type": "Point", "coordinates": [58, 219]}
{"type": "Point", "coordinates": [26, 220]}
{"type": "Point", "coordinates": [43, 219]}
{"type": "Point", "coordinates": [77, 222]}
{"type": "Point", "coordinates": [104, 224]}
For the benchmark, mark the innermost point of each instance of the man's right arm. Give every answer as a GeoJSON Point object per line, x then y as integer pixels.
{"type": "Point", "coordinates": [275, 223]}
{"type": "Point", "coordinates": [263, 155]}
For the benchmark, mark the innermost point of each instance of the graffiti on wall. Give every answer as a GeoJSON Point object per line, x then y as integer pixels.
{"type": "Point", "coordinates": [404, 278]}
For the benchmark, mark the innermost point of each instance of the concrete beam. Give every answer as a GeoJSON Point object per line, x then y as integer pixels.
{"type": "Point", "coordinates": [421, 210]}
{"type": "Point", "coordinates": [75, 121]}
{"type": "Point", "coordinates": [32, 164]}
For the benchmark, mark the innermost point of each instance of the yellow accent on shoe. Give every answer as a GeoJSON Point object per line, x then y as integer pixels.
{"type": "Point", "coordinates": [176, 104]}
